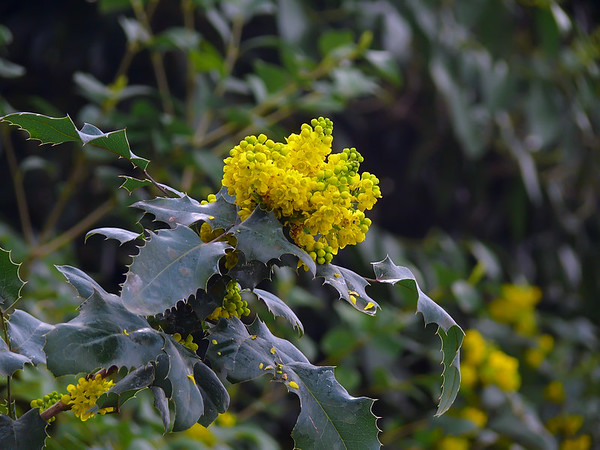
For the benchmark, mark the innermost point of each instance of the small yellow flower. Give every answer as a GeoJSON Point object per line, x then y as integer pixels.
{"type": "Point", "coordinates": [583, 442]}
{"type": "Point", "coordinates": [555, 392]}
{"type": "Point", "coordinates": [84, 395]}
{"type": "Point", "coordinates": [475, 415]}
{"type": "Point", "coordinates": [474, 347]}
{"type": "Point", "coordinates": [454, 443]}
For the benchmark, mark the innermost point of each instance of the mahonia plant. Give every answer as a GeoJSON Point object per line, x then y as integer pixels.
{"type": "Point", "coordinates": [294, 203]}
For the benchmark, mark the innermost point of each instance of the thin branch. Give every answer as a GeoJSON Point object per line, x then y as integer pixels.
{"type": "Point", "coordinates": [17, 177]}
{"type": "Point", "coordinates": [73, 232]}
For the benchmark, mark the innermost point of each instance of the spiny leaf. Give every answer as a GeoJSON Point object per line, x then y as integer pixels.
{"type": "Point", "coordinates": [448, 330]}
{"type": "Point", "coordinates": [81, 281]}
{"type": "Point", "coordinates": [130, 384]}
{"type": "Point", "coordinates": [350, 286]}
{"type": "Point", "coordinates": [10, 362]}
{"type": "Point", "coordinates": [53, 130]}
{"type": "Point", "coordinates": [114, 233]}
{"type": "Point", "coordinates": [131, 184]}
{"type": "Point", "coordinates": [28, 431]}
{"type": "Point", "coordinates": [27, 336]}
{"type": "Point", "coordinates": [279, 308]}
{"type": "Point", "coordinates": [186, 211]}
{"type": "Point", "coordinates": [260, 237]}
{"type": "Point", "coordinates": [329, 417]}
{"type": "Point", "coordinates": [171, 266]}
{"type": "Point", "coordinates": [196, 391]}
{"type": "Point", "coordinates": [10, 281]}
{"type": "Point", "coordinates": [102, 335]}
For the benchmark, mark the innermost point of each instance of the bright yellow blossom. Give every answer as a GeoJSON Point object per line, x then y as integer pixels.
{"type": "Point", "coordinates": [320, 196]}
{"type": "Point", "coordinates": [84, 396]}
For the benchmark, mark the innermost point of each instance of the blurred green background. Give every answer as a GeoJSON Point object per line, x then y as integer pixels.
{"type": "Point", "coordinates": [481, 118]}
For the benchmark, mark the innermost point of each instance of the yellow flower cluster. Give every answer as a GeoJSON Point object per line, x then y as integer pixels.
{"type": "Point", "coordinates": [484, 362]}
{"type": "Point", "coordinates": [84, 396]}
{"type": "Point", "coordinates": [555, 392]}
{"type": "Point", "coordinates": [568, 425]}
{"type": "Point", "coordinates": [319, 195]}
{"type": "Point", "coordinates": [516, 307]}
{"type": "Point", "coordinates": [233, 305]}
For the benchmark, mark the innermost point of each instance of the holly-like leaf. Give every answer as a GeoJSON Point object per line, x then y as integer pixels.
{"type": "Point", "coordinates": [450, 333]}
{"type": "Point", "coordinates": [249, 273]}
{"type": "Point", "coordinates": [350, 286]}
{"type": "Point", "coordinates": [260, 237]}
{"type": "Point", "coordinates": [329, 417]}
{"type": "Point", "coordinates": [114, 233]}
{"type": "Point", "coordinates": [10, 362]}
{"type": "Point", "coordinates": [196, 391]}
{"type": "Point", "coordinates": [131, 184]}
{"type": "Point", "coordinates": [172, 265]}
{"type": "Point", "coordinates": [81, 281]}
{"type": "Point", "coordinates": [102, 335]}
{"type": "Point", "coordinates": [53, 130]}
{"type": "Point", "coordinates": [10, 281]}
{"type": "Point", "coordinates": [27, 336]}
{"type": "Point", "coordinates": [186, 211]}
{"type": "Point", "coordinates": [279, 308]}
{"type": "Point", "coordinates": [125, 388]}
{"type": "Point", "coordinates": [28, 431]}
{"type": "Point", "coordinates": [161, 403]}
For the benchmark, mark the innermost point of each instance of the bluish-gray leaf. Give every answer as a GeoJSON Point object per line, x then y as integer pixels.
{"type": "Point", "coordinates": [448, 330]}
{"type": "Point", "coordinates": [186, 211]}
{"type": "Point", "coordinates": [27, 336]}
{"type": "Point", "coordinates": [260, 237]}
{"type": "Point", "coordinates": [172, 265]}
{"type": "Point", "coordinates": [10, 281]}
{"type": "Point", "coordinates": [279, 308]}
{"type": "Point", "coordinates": [10, 362]}
{"type": "Point", "coordinates": [102, 335]}
{"type": "Point", "coordinates": [27, 432]}
{"type": "Point", "coordinates": [114, 233]}
{"type": "Point", "coordinates": [350, 286]}
{"type": "Point", "coordinates": [81, 281]}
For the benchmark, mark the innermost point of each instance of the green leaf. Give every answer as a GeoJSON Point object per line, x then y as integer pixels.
{"type": "Point", "coordinates": [279, 308]}
{"type": "Point", "coordinates": [186, 211]}
{"type": "Point", "coordinates": [273, 76]}
{"type": "Point", "coordinates": [10, 281]}
{"type": "Point", "coordinates": [132, 184]}
{"type": "Point", "coordinates": [27, 336]}
{"type": "Point", "coordinates": [172, 265]}
{"type": "Point", "coordinates": [329, 416]}
{"type": "Point", "coordinates": [82, 282]}
{"type": "Point", "coordinates": [333, 40]}
{"type": "Point", "coordinates": [10, 362]}
{"type": "Point", "coordinates": [114, 233]}
{"type": "Point", "coordinates": [260, 237]}
{"type": "Point", "coordinates": [448, 330]}
{"type": "Point", "coordinates": [52, 130]}
{"type": "Point", "coordinates": [27, 432]}
{"type": "Point", "coordinates": [196, 391]}
{"type": "Point", "coordinates": [161, 403]}
{"type": "Point", "coordinates": [350, 286]}
{"type": "Point", "coordinates": [102, 335]}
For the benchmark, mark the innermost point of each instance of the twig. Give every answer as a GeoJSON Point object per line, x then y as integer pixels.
{"type": "Point", "coordinates": [74, 231]}
{"type": "Point", "coordinates": [17, 177]}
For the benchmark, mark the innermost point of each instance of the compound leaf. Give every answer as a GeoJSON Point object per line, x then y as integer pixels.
{"type": "Point", "coordinates": [53, 130]}
{"type": "Point", "coordinates": [28, 431]}
{"type": "Point", "coordinates": [102, 335]}
{"type": "Point", "coordinates": [10, 281]}
{"type": "Point", "coordinates": [350, 286]}
{"type": "Point", "coordinates": [448, 330]}
{"type": "Point", "coordinates": [260, 237]}
{"type": "Point", "coordinates": [172, 265]}
{"type": "Point", "coordinates": [27, 336]}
